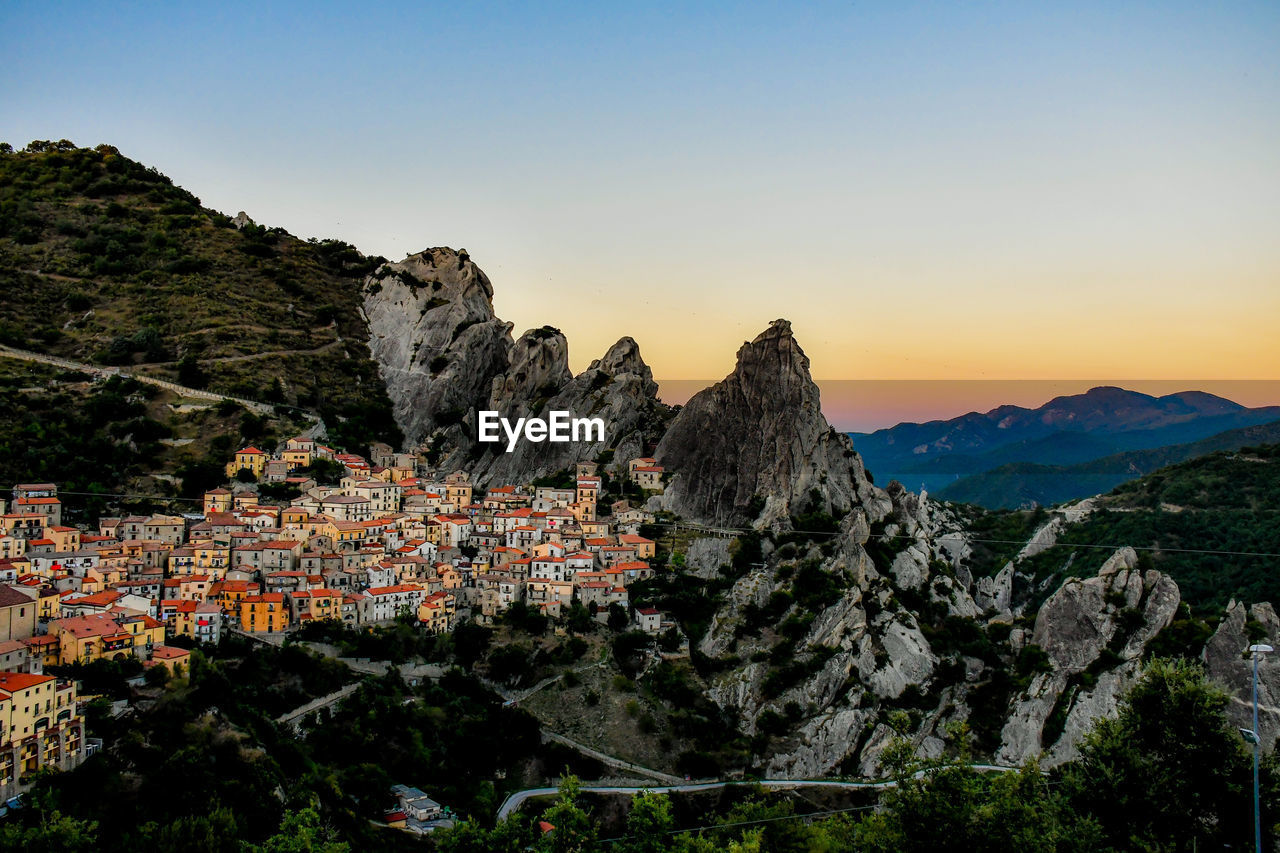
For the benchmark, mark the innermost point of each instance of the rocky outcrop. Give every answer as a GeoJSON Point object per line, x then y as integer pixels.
{"type": "Point", "coordinates": [752, 589]}
{"type": "Point", "coordinates": [617, 388]}
{"type": "Point", "coordinates": [1228, 665]}
{"type": "Point", "coordinates": [1043, 539]}
{"type": "Point", "coordinates": [705, 556]}
{"type": "Point", "coordinates": [995, 594]}
{"type": "Point", "coordinates": [436, 340]}
{"type": "Point", "coordinates": [444, 355]}
{"type": "Point", "coordinates": [1118, 613]}
{"type": "Point", "coordinates": [908, 659]}
{"type": "Point", "coordinates": [755, 447]}
{"type": "Point", "coordinates": [830, 733]}
{"type": "Point", "coordinates": [538, 367]}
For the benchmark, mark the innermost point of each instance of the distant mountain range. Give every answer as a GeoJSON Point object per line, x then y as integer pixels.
{"type": "Point", "coordinates": [1071, 447]}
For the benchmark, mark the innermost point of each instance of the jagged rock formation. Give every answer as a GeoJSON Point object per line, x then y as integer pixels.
{"type": "Point", "coordinates": [862, 650]}
{"type": "Point", "coordinates": [538, 366]}
{"type": "Point", "coordinates": [618, 388]}
{"type": "Point", "coordinates": [760, 435]}
{"type": "Point", "coordinates": [1117, 613]}
{"type": "Point", "coordinates": [444, 355]}
{"type": "Point", "coordinates": [995, 594]}
{"type": "Point", "coordinates": [1094, 633]}
{"type": "Point", "coordinates": [1227, 664]}
{"type": "Point", "coordinates": [436, 340]}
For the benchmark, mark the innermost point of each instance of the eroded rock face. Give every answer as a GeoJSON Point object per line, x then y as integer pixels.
{"type": "Point", "coordinates": [617, 388]}
{"type": "Point", "coordinates": [830, 733]}
{"type": "Point", "coordinates": [995, 594]}
{"type": "Point", "coordinates": [538, 367]}
{"type": "Point", "coordinates": [435, 338]}
{"type": "Point", "coordinates": [444, 356]}
{"type": "Point", "coordinates": [753, 588]}
{"type": "Point", "coordinates": [760, 433]}
{"type": "Point", "coordinates": [705, 556]}
{"type": "Point", "coordinates": [909, 659]}
{"type": "Point", "coordinates": [1119, 612]}
{"type": "Point", "coordinates": [1228, 666]}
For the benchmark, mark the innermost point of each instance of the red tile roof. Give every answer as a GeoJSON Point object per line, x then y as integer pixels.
{"type": "Point", "coordinates": [14, 681]}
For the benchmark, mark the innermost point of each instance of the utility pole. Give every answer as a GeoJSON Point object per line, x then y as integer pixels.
{"type": "Point", "coordinates": [1256, 651]}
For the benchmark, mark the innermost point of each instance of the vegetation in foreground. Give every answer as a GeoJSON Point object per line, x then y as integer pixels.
{"type": "Point", "coordinates": [203, 769]}
{"type": "Point", "coordinates": [1170, 773]}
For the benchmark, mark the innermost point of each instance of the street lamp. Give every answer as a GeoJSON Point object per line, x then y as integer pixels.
{"type": "Point", "coordinates": [1256, 652]}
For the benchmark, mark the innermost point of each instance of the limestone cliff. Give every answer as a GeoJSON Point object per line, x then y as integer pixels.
{"type": "Point", "coordinates": [444, 355]}
{"type": "Point", "coordinates": [1225, 658]}
{"type": "Point", "coordinates": [618, 388]}
{"type": "Point", "coordinates": [760, 436]}
{"type": "Point", "coordinates": [436, 340]}
{"type": "Point", "coordinates": [1094, 632]}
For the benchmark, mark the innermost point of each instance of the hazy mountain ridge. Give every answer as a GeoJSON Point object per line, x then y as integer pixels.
{"type": "Point", "coordinates": [1068, 430]}
{"type": "Point", "coordinates": [1026, 483]}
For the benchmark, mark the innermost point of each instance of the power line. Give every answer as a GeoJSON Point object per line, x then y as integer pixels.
{"type": "Point", "coordinates": [884, 537]}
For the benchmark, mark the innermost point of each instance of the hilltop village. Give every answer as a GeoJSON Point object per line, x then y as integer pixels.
{"type": "Point", "coordinates": [386, 540]}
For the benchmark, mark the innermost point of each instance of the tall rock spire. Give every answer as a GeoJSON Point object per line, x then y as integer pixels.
{"type": "Point", "coordinates": [759, 435]}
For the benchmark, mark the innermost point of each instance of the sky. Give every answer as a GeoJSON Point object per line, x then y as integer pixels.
{"type": "Point", "coordinates": [976, 191]}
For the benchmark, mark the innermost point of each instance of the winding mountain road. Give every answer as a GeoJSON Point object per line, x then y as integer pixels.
{"type": "Point", "coordinates": [185, 391]}
{"type": "Point", "coordinates": [513, 802]}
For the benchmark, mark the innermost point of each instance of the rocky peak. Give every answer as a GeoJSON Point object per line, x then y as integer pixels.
{"type": "Point", "coordinates": [760, 434]}
{"type": "Point", "coordinates": [618, 388]}
{"type": "Point", "coordinates": [1094, 632]}
{"type": "Point", "coordinates": [450, 275]}
{"type": "Point", "coordinates": [538, 367]}
{"type": "Point", "coordinates": [435, 338]}
{"type": "Point", "coordinates": [623, 359]}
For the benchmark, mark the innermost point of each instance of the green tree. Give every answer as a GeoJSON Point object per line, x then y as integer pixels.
{"type": "Point", "coordinates": [574, 830]}
{"type": "Point", "coordinates": [55, 833]}
{"type": "Point", "coordinates": [649, 824]}
{"type": "Point", "coordinates": [578, 619]}
{"type": "Point", "coordinates": [303, 832]}
{"type": "Point", "coordinates": [1169, 772]}
{"type": "Point", "coordinates": [191, 373]}
{"type": "Point", "coordinates": [216, 832]}
{"type": "Point", "coordinates": [512, 835]}
{"type": "Point", "coordinates": [947, 805]}
{"type": "Point", "coordinates": [508, 663]}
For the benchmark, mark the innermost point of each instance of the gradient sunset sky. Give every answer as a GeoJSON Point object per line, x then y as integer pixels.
{"type": "Point", "coordinates": [927, 191]}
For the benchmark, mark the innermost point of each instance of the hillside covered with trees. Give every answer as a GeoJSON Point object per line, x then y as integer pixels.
{"type": "Point", "coordinates": [104, 260]}
{"type": "Point", "coordinates": [1225, 502]}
